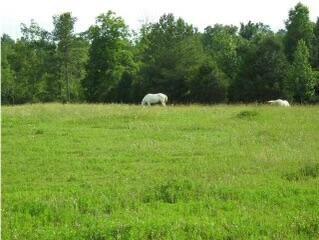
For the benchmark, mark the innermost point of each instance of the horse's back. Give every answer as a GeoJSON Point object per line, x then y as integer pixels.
{"type": "Point", "coordinates": [280, 102]}
{"type": "Point", "coordinates": [154, 98]}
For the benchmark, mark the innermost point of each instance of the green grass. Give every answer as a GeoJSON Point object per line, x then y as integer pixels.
{"type": "Point", "coordinates": [185, 172]}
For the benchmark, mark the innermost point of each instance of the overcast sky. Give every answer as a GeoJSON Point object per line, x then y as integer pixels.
{"type": "Point", "coordinates": [200, 13]}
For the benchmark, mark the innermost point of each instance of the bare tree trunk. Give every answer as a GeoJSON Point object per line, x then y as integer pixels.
{"type": "Point", "coordinates": [68, 83]}
{"type": "Point", "coordinates": [67, 78]}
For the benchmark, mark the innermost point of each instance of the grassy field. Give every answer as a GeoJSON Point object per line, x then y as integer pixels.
{"type": "Point", "coordinates": [184, 172]}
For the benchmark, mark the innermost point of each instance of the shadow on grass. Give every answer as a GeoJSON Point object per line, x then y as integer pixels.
{"type": "Point", "coordinates": [306, 172]}
{"type": "Point", "coordinates": [248, 115]}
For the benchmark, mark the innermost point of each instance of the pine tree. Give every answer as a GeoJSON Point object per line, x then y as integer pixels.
{"type": "Point", "coordinates": [301, 78]}
{"type": "Point", "coordinates": [298, 27]}
{"type": "Point", "coordinates": [63, 33]}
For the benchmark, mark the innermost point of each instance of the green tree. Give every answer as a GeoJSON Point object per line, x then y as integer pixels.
{"type": "Point", "coordinates": [110, 59]}
{"type": "Point", "coordinates": [253, 31]}
{"type": "Point", "coordinates": [210, 84]}
{"type": "Point", "coordinates": [301, 82]}
{"type": "Point", "coordinates": [299, 27]}
{"type": "Point", "coordinates": [269, 70]}
{"type": "Point", "coordinates": [79, 58]}
{"type": "Point", "coordinates": [33, 64]}
{"type": "Point", "coordinates": [316, 59]}
{"type": "Point", "coordinates": [169, 52]}
{"type": "Point", "coordinates": [222, 42]}
{"type": "Point", "coordinates": [7, 74]}
{"type": "Point", "coordinates": [64, 34]}
{"type": "Point", "coordinates": [263, 71]}
{"type": "Point", "coordinates": [316, 45]}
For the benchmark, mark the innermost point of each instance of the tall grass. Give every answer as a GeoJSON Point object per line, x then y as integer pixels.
{"type": "Point", "coordinates": [182, 172]}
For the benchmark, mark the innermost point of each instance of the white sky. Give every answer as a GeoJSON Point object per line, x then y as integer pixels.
{"type": "Point", "coordinates": [200, 13]}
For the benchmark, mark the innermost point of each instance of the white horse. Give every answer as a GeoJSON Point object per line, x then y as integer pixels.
{"type": "Point", "coordinates": [150, 99]}
{"type": "Point", "coordinates": [279, 102]}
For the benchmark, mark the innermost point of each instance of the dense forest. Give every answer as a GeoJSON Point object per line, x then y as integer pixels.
{"type": "Point", "coordinates": [110, 63]}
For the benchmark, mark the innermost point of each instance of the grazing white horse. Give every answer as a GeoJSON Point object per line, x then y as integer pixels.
{"type": "Point", "coordinates": [150, 99]}
{"type": "Point", "coordinates": [279, 102]}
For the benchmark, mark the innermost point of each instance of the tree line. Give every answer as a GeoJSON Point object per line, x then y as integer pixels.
{"type": "Point", "coordinates": [110, 63]}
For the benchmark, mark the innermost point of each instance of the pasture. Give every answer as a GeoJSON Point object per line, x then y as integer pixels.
{"type": "Point", "coordinates": [96, 172]}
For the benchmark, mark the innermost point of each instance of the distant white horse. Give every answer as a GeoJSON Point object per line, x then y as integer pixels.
{"type": "Point", "coordinates": [279, 102]}
{"type": "Point", "coordinates": [150, 99]}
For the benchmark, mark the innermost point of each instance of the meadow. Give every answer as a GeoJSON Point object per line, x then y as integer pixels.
{"type": "Point", "coordinates": [80, 171]}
